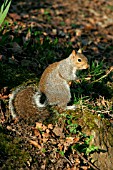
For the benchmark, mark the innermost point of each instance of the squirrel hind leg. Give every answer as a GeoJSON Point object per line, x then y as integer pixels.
{"type": "Point", "coordinates": [60, 101]}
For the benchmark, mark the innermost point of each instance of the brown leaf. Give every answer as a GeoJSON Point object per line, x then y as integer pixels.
{"type": "Point", "coordinates": [35, 144]}
{"type": "Point", "coordinates": [14, 16]}
{"type": "Point", "coordinates": [4, 96]}
{"type": "Point", "coordinates": [103, 102]}
{"type": "Point", "coordinates": [37, 133]}
{"type": "Point", "coordinates": [40, 126]}
{"type": "Point", "coordinates": [28, 35]}
{"type": "Point", "coordinates": [60, 146]}
{"type": "Point", "coordinates": [69, 140]}
{"type": "Point", "coordinates": [50, 126]}
{"type": "Point", "coordinates": [78, 32]}
{"type": "Point", "coordinates": [58, 131]}
{"type": "Point", "coordinates": [45, 137]}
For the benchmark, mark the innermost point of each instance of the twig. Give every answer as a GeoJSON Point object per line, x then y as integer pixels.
{"type": "Point", "coordinates": [68, 161]}
{"type": "Point", "coordinates": [103, 111]}
{"type": "Point", "coordinates": [94, 167]}
{"type": "Point", "coordinates": [111, 69]}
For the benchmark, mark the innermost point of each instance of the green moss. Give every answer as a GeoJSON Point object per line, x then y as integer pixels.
{"type": "Point", "coordinates": [89, 120]}
{"type": "Point", "coordinates": [110, 136]}
{"type": "Point", "coordinates": [12, 155]}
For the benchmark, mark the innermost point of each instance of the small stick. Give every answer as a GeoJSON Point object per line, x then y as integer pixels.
{"type": "Point", "coordinates": [94, 167]}
{"type": "Point", "coordinates": [111, 69]}
{"type": "Point", "coordinates": [68, 161]}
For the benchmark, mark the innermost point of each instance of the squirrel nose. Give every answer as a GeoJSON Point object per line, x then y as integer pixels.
{"type": "Point", "coordinates": [87, 66]}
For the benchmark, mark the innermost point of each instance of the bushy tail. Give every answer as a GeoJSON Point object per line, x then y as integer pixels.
{"type": "Point", "coordinates": [37, 97]}
{"type": "Point", "coordinates": [11, 101]}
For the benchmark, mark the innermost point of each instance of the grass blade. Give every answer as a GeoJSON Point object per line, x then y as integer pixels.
{"type": "Point", "coordinates": [4, 10]}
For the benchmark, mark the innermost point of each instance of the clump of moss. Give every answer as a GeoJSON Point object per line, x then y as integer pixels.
{"type": "Point", "coordinates": [12, 155]}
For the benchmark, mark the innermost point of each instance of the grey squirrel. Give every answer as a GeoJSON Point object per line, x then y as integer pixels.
{"type": "Point", "coordinates": [54, 84]}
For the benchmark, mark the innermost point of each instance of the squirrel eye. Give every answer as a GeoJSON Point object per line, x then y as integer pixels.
{"type": "Point", "coordinates": [79, 60]}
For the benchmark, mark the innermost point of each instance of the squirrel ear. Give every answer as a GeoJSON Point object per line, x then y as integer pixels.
{"type": "Point", "coordinates": [73, 53]}
{"type": "Point", "coordinates": [80, 50]}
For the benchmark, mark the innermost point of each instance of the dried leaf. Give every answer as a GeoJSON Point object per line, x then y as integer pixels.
{"type": "Point", "coordinates": [37, 133]}
{"type": "Point", "coordinates": [41, 126]}
{"type": "Point", "coordinates": [34, 143]}
{"type": "Point", "coordinates": [14, 16]}
{"type": "Point", "coordinates": [103, 102]}
{"type": "Point", "coordinates": [58, 131]}
{"type": "Point", "coordinates": [50, 126]}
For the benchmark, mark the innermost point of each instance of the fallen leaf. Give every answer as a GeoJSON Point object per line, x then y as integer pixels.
{"type": "Point", "coordinates": [58, 131]}
{"type": "Point", "coordinates": [103, 102]}
{"type": "Point", "coordinates": [14, 16]}
{"type": "Point", "coordinates": [41, 126]}
{"type": "Point", "coordinates": [50, 126]}
{"type": "Point", "coordinates": [37, 133]}
{"type": "Point", "coordinates": [35, 144]}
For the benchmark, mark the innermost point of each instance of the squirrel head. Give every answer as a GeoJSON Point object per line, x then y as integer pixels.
{"type": "Point", "coordinates": [79, 60]}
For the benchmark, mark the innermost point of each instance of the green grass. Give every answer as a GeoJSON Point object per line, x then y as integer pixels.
{"type": "Point", "coordinates": [4, 10]}
{"type": "Point", "coordinates": [94, 94]}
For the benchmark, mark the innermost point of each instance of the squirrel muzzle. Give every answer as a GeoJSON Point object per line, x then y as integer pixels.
{"type": "Point", "coordinates": [86, 66]}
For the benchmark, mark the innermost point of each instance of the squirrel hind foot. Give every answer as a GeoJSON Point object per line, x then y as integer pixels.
{"type": "Point", "coordinates": [64, 108]}
{"type": "Point", "coordinates": [73, 107]}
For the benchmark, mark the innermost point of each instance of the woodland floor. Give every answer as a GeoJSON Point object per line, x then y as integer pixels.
{"type": "Point", "coordinates": [69, 25]}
